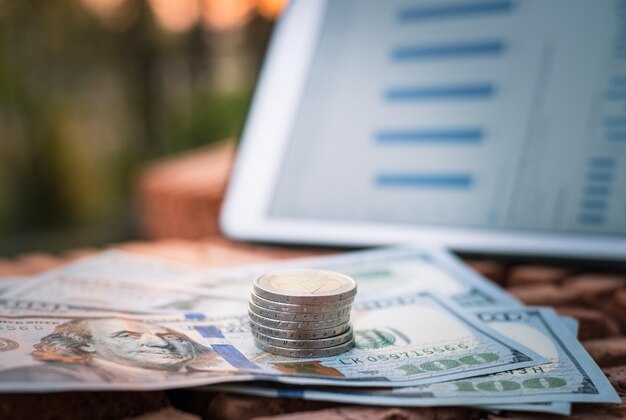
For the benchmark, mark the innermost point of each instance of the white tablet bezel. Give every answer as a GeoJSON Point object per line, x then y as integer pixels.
{"type": "Point", "coordinates": [244, 215]}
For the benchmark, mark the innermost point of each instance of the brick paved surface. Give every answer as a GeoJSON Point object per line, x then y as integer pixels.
{"type": "Point", "coordinates": [597, 300]}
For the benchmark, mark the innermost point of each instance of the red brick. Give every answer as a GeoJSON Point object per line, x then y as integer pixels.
{"type": "Point", "coordinates": [580, 412]}
{"type": "Point", "coordinates": [214, 253]}
{"type": "Point", "coordinates": [616, 307]}
{"type": "Point", "coordinates": [617, 376]}
{"type": "Point", "coordinates": [592, 323]}
{"type": "Point", "coordinates": [10, 268]}
{"type": "Point", "coordinates": [169, 413]}
{"type": "Point", "coordinates": [595, 288]}
{"type": "Point", "coordinates": [180, 196]}
{"type": "Point", "coordinates": [40, 261]}
{"type": "Point", "coordinates": [546, 294]}
{"type": "Point", "coordinates": [493, 270]}
{"type": "Point", "coordinates": [78, 253]}
{"type": "Point", "coordinates": [536, 274]}
{"type": "Point", "coordinates": [175, 250]}
{"type": "Point", "coordinates": [234, 407]}
{"type": "Point", "coordinates": [80, 405]}
{"type": "Point", "coordinates": [372, 413]}
{"type": "Point", "coordinates": [607, 352]}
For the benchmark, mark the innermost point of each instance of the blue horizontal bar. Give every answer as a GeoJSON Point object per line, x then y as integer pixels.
{"type": "Point", "coordinates": [615, 95]}
{"type": "Point", "coordinates": [465, 91]}
{"type": "Point", "coordinates": [450, 50]}
{"type": "Point", "coordinates": [425, 180]}
{"type": "Point", "coordinates": [596, 190]}
{"type": "Point", "coordinates": [591, 219]}
{"type": "Point", "coordinates": [463, 135]}
{"type": "Point", "coordinates": [619, 80]}
{"type": "Point", "coordinates": [209, 331]}
{"type": "Point", "coordinates": [615, 122]}
{"type": "Point", "coordinates": [602, 162]}
{"type": "Point", "coordinates": [454, 10]}
{"type": "Point", "coordinates": [195, 315]}
{"type": "Point", "coordinates": [599, 176]}
{"type": "Point", "coordinates": [616, 136]}
{"type": "Point", "coordinates": [233, 356]}
{"type": "Point", "coordinates": [594, 204]}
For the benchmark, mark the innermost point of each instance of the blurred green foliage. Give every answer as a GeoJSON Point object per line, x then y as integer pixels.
{"type": "Point", "coordinates": [221, 116]}
{"type": "Point", "coordinates": [84, 102]}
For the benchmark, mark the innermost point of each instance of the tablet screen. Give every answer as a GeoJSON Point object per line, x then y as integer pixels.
{"type": "Point", "coordinates": [487, 113]}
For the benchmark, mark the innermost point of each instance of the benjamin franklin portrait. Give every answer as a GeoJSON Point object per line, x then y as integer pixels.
{"type": "Point", "coordinates": [113, 349]}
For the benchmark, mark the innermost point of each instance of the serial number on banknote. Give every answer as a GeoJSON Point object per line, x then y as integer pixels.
{"type": "Point", "coordinates": [450, 348]}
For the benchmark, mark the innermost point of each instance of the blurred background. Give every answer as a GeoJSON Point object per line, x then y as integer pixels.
{"type": "Point", "coordinates": [92, 89]}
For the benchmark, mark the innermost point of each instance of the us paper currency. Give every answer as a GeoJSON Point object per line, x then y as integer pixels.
{"type": "Point", "coordinates": [319, 343]}
{"type": "Point", "coordinates": [8, 283]}
{"type": "Point", "coordinates": [336, 307]}
{"type": "Point", "coordinates": [571, 324]}
{"type": "Point", "coordinates": [95, 350]}
{"type": "Point", "coordinates": [123, 351]}
{"type": "Point", "coordinates": [383, 272]}
{"type": "Point", "coordinates": [129, 282]}
{"type": "Point", "coordinates": [555, 407]}
{"type": "Point", "coordinates": [570, 376]}
{"type": "Point", "coordinates": [122, 266]}
{"type": "Point", "coordinates": [14, 306]}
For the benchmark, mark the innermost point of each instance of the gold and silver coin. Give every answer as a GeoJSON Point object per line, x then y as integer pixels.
{"type": "Point", "coordinates": [299, 316]}
{"type": "Point", "coordinates": [306, 344]}
{"type": "Point", "coordinates": [304, 353]}
{"type": "Point", "coordinates": [302, 313]}
{"type": "Point", "coordinates": [300, 334]}
{"type": "Point", "coordinates": [313, 287]}
{"type": "Point", "coordinates": [291, 307]}
{"type": "Point", "coordinates": [297, 325]}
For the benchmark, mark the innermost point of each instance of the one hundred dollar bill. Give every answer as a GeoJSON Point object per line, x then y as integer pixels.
{"type": "Point", "coordinates": [14, 306]}
{"type": "Point", "coordinates": [105, 351]}
{"type": "Point", "coordinates": [17, 307]}
{"type": "Point", "coordinates": [9, 283]}
{"type": "Point", "coordinates": [554, 407]}
{"type": "Point", "coordinates": [384, 272]}
{"type": "Point", "coordinates": [399, 342]}
{"type": "Point", "coordinates": [570, 376]}
{"type": "Point", "coordinates": [128, 282]}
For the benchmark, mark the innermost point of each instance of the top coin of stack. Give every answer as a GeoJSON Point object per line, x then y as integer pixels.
{"type": "Point", "coordinates": [302, 313]}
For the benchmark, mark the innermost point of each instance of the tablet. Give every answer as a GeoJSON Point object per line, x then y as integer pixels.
{"type": "Point", "coordinates": [491, 126]}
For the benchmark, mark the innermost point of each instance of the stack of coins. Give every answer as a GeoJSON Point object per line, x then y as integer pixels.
{"type": "Point", "coordinates": [302, 313]}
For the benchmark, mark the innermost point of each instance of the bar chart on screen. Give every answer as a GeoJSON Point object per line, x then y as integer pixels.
{"type": "Point", "coordinates": [440, 53]}
{"type": "Point", "coordinates": [470, 113]}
